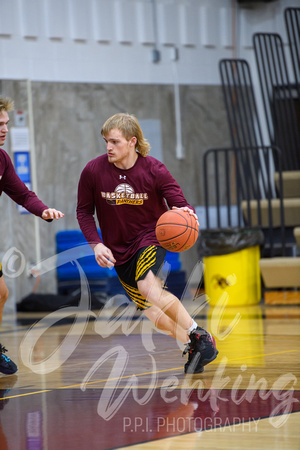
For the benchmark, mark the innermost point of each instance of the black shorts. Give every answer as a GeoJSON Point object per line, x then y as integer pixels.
{"type": "Point", "coordinates": [1, 273]}
{"type": "Point", "coordinates": [129, 273]}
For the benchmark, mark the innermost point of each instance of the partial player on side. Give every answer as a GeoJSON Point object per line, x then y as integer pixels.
{"type": "Point", "coordinates": [11, 185]}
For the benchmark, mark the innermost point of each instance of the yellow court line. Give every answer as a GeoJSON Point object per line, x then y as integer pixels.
{"type": "Point", "coordinates": [28, 393]}
{"type": "Point", "coordinates": [143, 374]}
{"type": "Point", "coordinates": [122, 378]}
{"type": "Point", "coordinates": [258, 356]}
{"type": "Point", "coordinates": [174, 368]}
{"type": "Point", "coordinates": [91, 382]}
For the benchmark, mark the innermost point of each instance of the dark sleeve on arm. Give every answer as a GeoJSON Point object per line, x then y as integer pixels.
{"type": "Point", "coordinates": [86, 208]}
{"type": "Point", "coordinates": [18, 191]}
{"type": "Point", "coordinates": [170, 189]}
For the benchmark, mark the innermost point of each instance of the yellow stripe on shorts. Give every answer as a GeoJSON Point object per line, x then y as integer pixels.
{"type": "Point", "coordinates": [136, 297]}
{"type": "Point", "coordinates": [146, 260]}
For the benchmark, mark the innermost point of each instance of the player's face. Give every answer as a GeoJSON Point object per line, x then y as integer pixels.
{"type": "Point", "coordinates": [120, 152]}
{"type": "Point", "coordinates": [4, 119]}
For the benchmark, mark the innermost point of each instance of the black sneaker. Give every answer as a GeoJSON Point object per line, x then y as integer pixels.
{"type": "Point", "coordinates": [7, 366]}
{"type": "Point", "coordinates": [192, 365]}
{"type": "Point", "coordinates": [202, 350]}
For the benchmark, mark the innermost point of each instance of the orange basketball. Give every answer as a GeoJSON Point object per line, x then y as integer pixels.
{"type": "Point", "coordinates": [176, 230]}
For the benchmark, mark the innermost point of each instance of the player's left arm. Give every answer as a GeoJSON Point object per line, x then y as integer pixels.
{"type": "Point", "coordinates": [188, 210]}
{"type": "Point", "coordinates": [14, 187]}
{"type": "Point", "coordinates": [172, 192]}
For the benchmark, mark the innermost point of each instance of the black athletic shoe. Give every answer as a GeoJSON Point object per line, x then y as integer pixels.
{"type": "Point", "coordinates": [192, 365]}
{"type": "Point", "coordinates": [7, 366]}
{"type": "Point", "coordinates": [202, 350]}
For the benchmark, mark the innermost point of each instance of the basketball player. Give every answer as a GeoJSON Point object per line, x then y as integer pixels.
{"type": "Point", "coordinates": [129, 191]}
{"type": "Point", "coordinates": [11, 184]}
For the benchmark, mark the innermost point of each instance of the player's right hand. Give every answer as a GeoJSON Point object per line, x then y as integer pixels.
{"type": "Point", "coordinates": [104, 256]}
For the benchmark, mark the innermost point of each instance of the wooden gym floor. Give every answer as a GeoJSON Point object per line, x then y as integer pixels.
{"type": "Point", "coordinates": [108, 380]}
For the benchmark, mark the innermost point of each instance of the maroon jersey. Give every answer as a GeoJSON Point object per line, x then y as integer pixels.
{"type": "Point", "coordinates": [128, 203]}
{"type": "Point", "coordinates": [11, 184]}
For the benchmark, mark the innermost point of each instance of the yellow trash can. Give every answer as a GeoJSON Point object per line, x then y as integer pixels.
{"type": "Point", "coordinates": [235, 273]}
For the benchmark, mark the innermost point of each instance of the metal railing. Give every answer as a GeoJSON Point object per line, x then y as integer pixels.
{"type": "Point", "coordinates": [249, 202]}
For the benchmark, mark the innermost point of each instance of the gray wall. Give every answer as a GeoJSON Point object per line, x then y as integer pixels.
{"type": "Point", "coordinates": [67, 123]}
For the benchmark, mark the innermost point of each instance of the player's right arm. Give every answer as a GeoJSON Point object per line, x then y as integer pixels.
{"type": "Point", "coordinates": [104, 256]}
{"type": "Point", "coordinates": [86, 208]}
{"type": "Point", "coordinates": [85, 216]}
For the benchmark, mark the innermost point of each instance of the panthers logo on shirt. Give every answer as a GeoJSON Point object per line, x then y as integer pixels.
{"type": "Point", "coordinates": [124, 194]}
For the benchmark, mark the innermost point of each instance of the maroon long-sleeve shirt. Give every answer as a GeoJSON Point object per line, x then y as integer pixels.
{"type": "Point", "coordinates": [11, 184]}
{"type": "Point", "coordinates": [128, 203]}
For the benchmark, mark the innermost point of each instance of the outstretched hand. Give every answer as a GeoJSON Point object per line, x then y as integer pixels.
{"type": "Point", "coordinates": [104, 256]}
{"type": "Point", "coordinates": [52, 213]}
{"type": "Point", "coordinates": [188, 210]}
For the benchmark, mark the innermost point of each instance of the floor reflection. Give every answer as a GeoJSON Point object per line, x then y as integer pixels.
{"type": "Point", "coordinates": [69, 418]}
{"type": "Point", "coordinates": [148, 402]}
{"type": "Point", "coordinates": [239, 334]}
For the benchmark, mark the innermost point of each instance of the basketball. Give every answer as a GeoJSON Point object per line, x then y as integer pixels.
{"type": "Point", "coordinates": [176, 230]}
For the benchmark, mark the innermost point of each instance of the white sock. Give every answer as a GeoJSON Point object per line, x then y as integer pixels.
{"type": "Point", "coordinates": [192, 327]}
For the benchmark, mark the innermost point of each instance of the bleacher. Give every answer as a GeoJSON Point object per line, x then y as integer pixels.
{"type": "Point", "coordinates": [256, 182]}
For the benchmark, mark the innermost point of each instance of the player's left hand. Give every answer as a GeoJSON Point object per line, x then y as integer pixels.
{"type": "Point", "coordinates": [188, 210]}
{"type": "Point", "coordinates": [52, 213]}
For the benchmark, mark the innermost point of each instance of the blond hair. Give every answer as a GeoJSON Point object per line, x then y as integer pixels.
{"type": "Point", "coordinates": [130, 127]}
{"type": "Point", "coordinates": [6, 104]}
